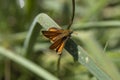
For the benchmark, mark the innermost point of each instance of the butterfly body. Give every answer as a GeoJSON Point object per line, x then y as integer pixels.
{"type": "Point", "coordinates": [58, 37]}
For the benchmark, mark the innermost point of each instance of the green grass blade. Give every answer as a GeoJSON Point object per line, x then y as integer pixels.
{"type": "Point", "coordinates": [27, 64]}
{"type": "Point", "coordinates": [100, 59]}
{"type": "Point", "coordinates": [97, 25]}
{"type": "Point", "coordinates": [31, 37]}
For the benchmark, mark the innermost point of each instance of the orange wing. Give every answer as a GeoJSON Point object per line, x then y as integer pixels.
{"type": "Point", "coordinates": [56, 35]}
{"type": "Point", "coordinates": [52, 33]}
{"type": "Point", "coordinates": [53, 29]}
{"type": "Point", "coordinates": [59, 45]}
{"type": "Point", "coordinates": [56, 44]}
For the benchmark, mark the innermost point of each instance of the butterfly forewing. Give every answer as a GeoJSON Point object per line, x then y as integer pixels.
{"type": "Point", "coordinates": [50, 34]}
{"type": "Point", "coordinates": [53, 34]}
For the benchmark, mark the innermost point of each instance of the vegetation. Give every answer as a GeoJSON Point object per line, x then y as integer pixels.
{"type": "Point", "coordinates": [92, 53]}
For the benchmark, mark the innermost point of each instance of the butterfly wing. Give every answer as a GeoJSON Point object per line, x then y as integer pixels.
{"type": "Point", "coordinates": [58, 36]}
{"type": "Point", "coordinates": [52, 33]}
{"type": "Point", "coordinates": [56, 44]}
{"type": "Point", "coordinates": [53, 29]}
{"type": "Point", "coordinates": [59, 45]}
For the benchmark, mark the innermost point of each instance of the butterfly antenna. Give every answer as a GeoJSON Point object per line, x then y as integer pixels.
{"type": "Point", "coordinates": [73, 14]}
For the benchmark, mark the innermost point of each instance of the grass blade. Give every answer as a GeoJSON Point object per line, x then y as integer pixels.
{"type": "Point", "coordinates": [27, 64]}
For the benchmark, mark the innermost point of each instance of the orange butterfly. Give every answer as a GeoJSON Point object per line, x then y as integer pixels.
{"type": "Point", "coordinates": [58, 37]}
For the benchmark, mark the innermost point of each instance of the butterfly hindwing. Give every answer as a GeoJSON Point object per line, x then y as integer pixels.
{"type": "Point", "coordinates": [59, 45]}
{"type": "Point", "coordinates": [56, 44]}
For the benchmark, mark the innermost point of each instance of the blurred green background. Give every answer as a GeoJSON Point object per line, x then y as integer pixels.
{"type": "Point", "coordinates": [99, 18]}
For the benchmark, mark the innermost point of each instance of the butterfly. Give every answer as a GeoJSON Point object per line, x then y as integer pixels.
{"type": "Point", "coordinates": [59, 37]}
